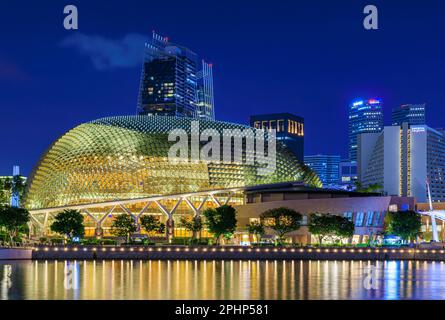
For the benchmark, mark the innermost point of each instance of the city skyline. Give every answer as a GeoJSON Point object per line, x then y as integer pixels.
{"type": "Point", "coordinates": [201, 152]}
{"type": "Point", "coordinates": [68, 87]}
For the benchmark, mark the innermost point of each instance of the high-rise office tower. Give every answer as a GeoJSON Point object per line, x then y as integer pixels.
{"type": "Point", "coordinates": [413, 114]}
{"type": "Point", "coordinates": [348, 174]}
{"type": "Point", "coordinates": [205, 100]}
{"type": "Point", "coordinates": [401, 159]}
{"type": "Point", "coordinates": [172, 82]}
{"type": "Point", "coordinates": [289, 129]}
{"type": "Point", "coordinates": [326, 167]}
{"type": "Point", "coordinates": [365, 116]}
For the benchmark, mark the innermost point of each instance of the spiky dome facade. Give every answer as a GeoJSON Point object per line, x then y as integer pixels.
{"type": "Point", "coordinates": [126, 157]}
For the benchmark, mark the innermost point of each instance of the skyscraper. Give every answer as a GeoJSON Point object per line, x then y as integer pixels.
{"type": "Point", "coordinates": [348, 174]}
{"type": "Point", "coordinates": [326, 167]}
{"type": "Point", "coordinates": [171, 83]}
{"type": "Point", "coordinates": [401, 159]}
{"type": "Point", "coordinates": [365, 116]}
{"type": "Point", "coordinates": [413, 114]}
{"type": "Point", "coordinates": [205, 100]}
{"type": "Point", "coordinates": [289, 129]}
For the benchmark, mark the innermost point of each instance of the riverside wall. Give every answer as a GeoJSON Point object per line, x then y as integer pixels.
{"type": "Point", "coordinates": [231, 253]}
{"type": "Point", "coordinates": [15, 254]}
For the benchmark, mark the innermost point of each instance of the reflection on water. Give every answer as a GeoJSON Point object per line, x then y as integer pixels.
{"type": "Point", "coordinates": [295, 280]}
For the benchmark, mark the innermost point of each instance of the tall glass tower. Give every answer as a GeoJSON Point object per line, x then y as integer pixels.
{"type": "Point", "coordinates": [413, 114]}
{"type": "Point", "coordinates": [365, 116]}
{"type": "Point", "coordinates": [326, 167]}
{"type": "Point", "coordinates": [289, 129]}
{"type": "Point", "coordinates": [205, 100]}
{"type": "Point", "coordinates": [173, 83]}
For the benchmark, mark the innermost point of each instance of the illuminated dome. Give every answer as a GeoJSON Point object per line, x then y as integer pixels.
{"type": "Point", "coordinates": [126, 157]}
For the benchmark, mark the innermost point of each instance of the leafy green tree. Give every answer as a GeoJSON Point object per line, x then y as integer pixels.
{"type": "Point", "coordinates": [5, 191]}
{"type": "Point", "coordinates": [405, 224]}
{"type": "Point", "coordinates": [69, 223]}
{"type": "Point", "coordinates": [7, 185]}
{"type": "Point", "coordinates": [152, 224]}
{"type": "Point", "coordinates": [372, 188]}
{"type": "Point", "coordinates": [123, 226]}
{"type": "Point", "coordinates": [327, 225]}
{"type": "Point", "coordinates": [320, 225]}
{"type": "Point", "coordinates": [221, 222]}
{"type": "Point", "coordinates": [282, 220]}
{"type": "Point", "coordinates": [193, 224]}
{"type": "Point", "coordinates": [345, 227]}
{"type": "Point", "coordinates": [13, 220]}
{"type": "Point", "coordinates": [256, 229]}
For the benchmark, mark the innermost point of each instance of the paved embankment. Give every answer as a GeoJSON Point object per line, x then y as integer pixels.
{"type": "Point", "coordinates": [236, 253]}
{"type": "Point", "coordinates": [15, 254]}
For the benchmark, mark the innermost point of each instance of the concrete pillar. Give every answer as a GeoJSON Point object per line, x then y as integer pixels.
{"type": "Point", "coordinates": [98, 232]}
{"type": "Point", "coordinates": [170, 226]}
{"type": "Point", "coordinates": [45, 225]}
{"type": "Point", "coordinates": [138, 225]}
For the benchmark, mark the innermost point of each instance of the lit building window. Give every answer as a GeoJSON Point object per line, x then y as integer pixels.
{"type": "Point", "coordinates": [393, 208]}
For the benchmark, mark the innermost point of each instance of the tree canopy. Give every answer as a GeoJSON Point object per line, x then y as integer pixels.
{"type": "Point", "coordinates": [405, 224]}
{"type": "Point", "coordinates": [152, 224]}
{"type": "Point", "coordinates": [69, 223]}
{"type": "Point", "coordinates": [221, 221]}
{"type": "Point", "coordinates": [7, 185]}
{"type": "Point", "coordinates": [123, 226]}
{"type": "Point", "coordinates": [192, 224]}
{"type": "Point", "coordinates": [13, 220]}
{"type": "Point", "coordinates": [256, 228]}
{"type": "Point", "coordinates": [372, 188]}
{"type": "Point", "coordinates": [282, 220]}
{"type": "Point", "coordinates": [327, 225]}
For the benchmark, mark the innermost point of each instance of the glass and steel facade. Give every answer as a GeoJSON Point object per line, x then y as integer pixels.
{"type": "Point", "coordinates": [326, 167]}
{"type": "Point", "coordinates": [348, 174]}
{"type": "Point", "coordinates": [205, 98]}
{"type": "Point", "coordinates": [413, 114]}
{"type": "Point", "coordinates": [289, 129]}
{"type": "Point", "coordinates": [127, 157]}
{"type": "Point", "coordinates": [365, 116]}
{"type": "Point", "coordinates": [173, 83]}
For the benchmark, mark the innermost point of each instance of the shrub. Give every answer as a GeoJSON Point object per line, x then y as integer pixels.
{"type": "Point", "coordinates": [108, 242]}
{"type": "Point", "coordinates": [57, 241]}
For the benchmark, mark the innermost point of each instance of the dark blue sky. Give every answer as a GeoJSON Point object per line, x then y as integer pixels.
{"type": "Point", "coordinates": [307, 57]}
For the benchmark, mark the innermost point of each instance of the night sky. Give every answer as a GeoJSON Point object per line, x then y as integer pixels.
{"type": "Point", "coordinates": [310, 58]}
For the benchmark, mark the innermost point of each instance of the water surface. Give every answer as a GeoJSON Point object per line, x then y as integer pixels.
{"type": "Point", "coordinates": [206, 280]}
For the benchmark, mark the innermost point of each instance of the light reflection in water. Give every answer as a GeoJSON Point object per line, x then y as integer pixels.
{"type": "Point", "coordinates": [208, 280]}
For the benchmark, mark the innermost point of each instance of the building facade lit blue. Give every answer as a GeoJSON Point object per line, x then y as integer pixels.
{"type": "Point", "coordinates": [413, 114]}
{"type": "Point", "coordinates": [289, 129]}
{"type": "Point", "coordinates": [327, 167]}
{"type": "Point", "coordinates": [348, 175]}
{"type": "Point", "coordinates": [365, 116]}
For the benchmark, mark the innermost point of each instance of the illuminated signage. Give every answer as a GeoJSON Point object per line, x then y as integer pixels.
{"type": "Point", "coordinates": [358, 103]}
{"type": "Point", "coordinates": [418, 129]}
{"type": "Point", "coordinates": [373, 101]}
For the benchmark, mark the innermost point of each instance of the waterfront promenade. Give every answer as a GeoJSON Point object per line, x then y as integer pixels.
{"type": "Point", "coordinates": [232, 252]}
